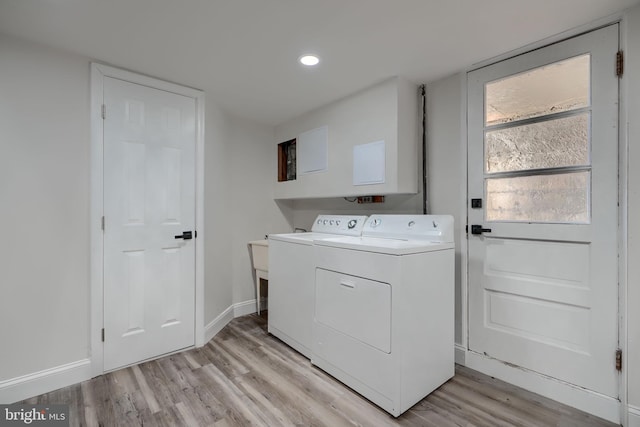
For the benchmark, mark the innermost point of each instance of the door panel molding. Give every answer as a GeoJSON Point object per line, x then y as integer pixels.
{"type": "Point", "coordinates": [98, 73]}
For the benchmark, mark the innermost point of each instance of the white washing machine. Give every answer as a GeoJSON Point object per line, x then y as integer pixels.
{"type": "Point", "coordinates": [384, 308]}
{"type": "Point", "coordinates": [292, 277]}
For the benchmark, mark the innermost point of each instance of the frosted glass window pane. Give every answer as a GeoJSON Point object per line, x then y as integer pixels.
{"type": "Point", "coordinates": [561, 86]}
{"type": "Point", "coordinates": [560, 198]}
{"type": "Point", "coordinates": [548, 144]}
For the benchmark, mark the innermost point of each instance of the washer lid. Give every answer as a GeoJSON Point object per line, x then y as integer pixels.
{"type": "Point", "coordinates": [301, 238]}
{"type": "Point", "coordinates": [326, 226]}
{"type": "Point", "coordinates": [384, 246]}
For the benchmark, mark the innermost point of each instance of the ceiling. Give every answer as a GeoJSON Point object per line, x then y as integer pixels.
{"type": "Point", "coordinates": [243, 53]}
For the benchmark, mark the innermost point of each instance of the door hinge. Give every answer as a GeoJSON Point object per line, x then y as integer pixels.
{"type": "Point", "coordinates": [104, 111]}
{"type": "Point", "coordinates": [102, 223]}
{"type": "Point", "coordinates": [619, 360]}
{"type": "Point", "coordinates": [102, 334]}
{"type": "Point", "coordinates": [619, 63]}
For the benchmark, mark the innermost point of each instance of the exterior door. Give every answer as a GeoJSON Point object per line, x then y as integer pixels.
{"type": "Point", "coordinates": [543, 158]}
{"type": "Point", "coordinates": [149, 199]}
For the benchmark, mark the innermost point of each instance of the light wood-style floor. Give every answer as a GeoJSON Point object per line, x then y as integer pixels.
{"type": "Point", "coordinates": [246, 377]}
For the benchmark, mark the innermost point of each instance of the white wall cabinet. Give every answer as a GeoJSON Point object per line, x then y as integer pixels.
{"type": "Point", "coordinates": [386, 112]}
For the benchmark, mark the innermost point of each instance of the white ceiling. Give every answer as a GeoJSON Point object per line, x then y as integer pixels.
{"type": "Point", "coordinates": [244, 52]}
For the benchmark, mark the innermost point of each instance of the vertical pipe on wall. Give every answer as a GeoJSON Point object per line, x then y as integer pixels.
{"type": "Point", "coordinates": [425, 158]}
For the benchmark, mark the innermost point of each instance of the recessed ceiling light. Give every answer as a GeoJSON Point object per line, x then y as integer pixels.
{"type": "Point", "coordinates": [309, 60]}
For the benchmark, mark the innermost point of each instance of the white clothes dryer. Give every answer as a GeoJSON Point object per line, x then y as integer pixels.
{"type": "Point", "coordinates": [292, 277]}
{"type": "Point", "coordinates": [384, 308]}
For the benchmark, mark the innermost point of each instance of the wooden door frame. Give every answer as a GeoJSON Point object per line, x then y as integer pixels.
{"type": "Point", "coordinates": [98, 74]}
{"type": "Point", "coordinates": [588, 401]}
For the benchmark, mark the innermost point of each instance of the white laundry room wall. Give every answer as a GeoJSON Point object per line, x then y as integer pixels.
{"type": "Point", "coordinates": [217, 234]}
{"type": "Point", "coordinates": [446, 182]}
{"type": "Point", "coordinates": [45, 199]}
{"type": "Point", "coordinates": [254, 211]}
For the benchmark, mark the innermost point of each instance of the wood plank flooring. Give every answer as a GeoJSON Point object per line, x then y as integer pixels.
{"type": "Point", "coordinates": [246, 377]}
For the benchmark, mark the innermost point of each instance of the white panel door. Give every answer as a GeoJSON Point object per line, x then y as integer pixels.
{"type": "Point", "coordinates": [543, 156]}
{"type": "Point", "coordinates": [149, 199]}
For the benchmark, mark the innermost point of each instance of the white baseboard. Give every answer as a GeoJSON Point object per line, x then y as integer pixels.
{"type": "Point", "coordinates": [231, 312]}
{"type": "Point", "coordinates": [588, 401]}
{"type": "Point", "coordinates": [218, 323]}
{"type": "Point", "coordinates": [34, 384]}
{"type": "Point", "coordinates": [245, 307]}
{"type": "Point", "coordinates": [460, 354]}
{"type": "Point", "coordinates": [634, 416]}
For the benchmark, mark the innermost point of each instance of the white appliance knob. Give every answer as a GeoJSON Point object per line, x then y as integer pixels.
{"type": "Point", "coordinates": [376, 222]}
{"type": "Point", "coordinates": [352, 224]}
{"type": "Point", "coordinates": [411, 223]}
{"type": "Point", "coordinates": [319, 221]}
{"type": "Point", "coordinates": [324, 222]}
{"type": "Point", "coordinates": [331, 222]}
{"type": "Point", "coordinates": [338, 222]}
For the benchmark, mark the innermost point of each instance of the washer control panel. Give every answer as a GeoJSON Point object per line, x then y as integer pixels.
{"type": "Point", "coordinates": [348, 225]}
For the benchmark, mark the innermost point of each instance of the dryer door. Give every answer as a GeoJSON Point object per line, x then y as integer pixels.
{"type": "Point", "coordinates": [357, 307]}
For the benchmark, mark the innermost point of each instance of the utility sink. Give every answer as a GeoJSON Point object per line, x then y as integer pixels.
{"type": "Point", "coordinates": [260, 254]}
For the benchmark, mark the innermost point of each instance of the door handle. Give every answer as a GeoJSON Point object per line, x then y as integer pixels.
{"type": "Point", "coordinates": [186, 235]}
{"type": "Point", "coordinates": [477, 229]}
